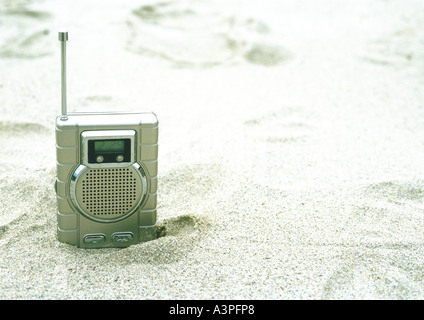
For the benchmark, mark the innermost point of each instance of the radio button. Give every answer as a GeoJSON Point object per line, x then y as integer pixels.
{"type": "Point", "coordinates": [94, 238]}
{"type": "Point", "coordinates": [119, 158]}
{"type": "Point", "coordinates": [124, 237]}
{"type": "Point", "coordinates": [99, 158]}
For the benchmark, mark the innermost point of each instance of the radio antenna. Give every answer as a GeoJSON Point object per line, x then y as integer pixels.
{"type": "Point", "coordinates": [63, 37]}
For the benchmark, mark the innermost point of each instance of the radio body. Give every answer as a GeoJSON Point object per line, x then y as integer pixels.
{"type": "Point", "coordinates": [106, 178]}
{"type": "Point", "coordinates": [106, 183]}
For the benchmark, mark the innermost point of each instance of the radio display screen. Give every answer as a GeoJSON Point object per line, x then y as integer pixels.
{"type": "Point", "coordinates": [109, 146]}
{"type": "Point", "coordinates": [109, 150]}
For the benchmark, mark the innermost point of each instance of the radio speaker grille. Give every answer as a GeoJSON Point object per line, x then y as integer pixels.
{"type": "Point", "coordinates": [109, 193]}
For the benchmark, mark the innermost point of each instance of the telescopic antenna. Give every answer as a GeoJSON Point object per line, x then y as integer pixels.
{"type": "Point", "coordinates": [63, 37]}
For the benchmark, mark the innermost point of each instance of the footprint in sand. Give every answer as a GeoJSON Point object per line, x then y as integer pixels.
{"type": "Point", "coordinates": [192, 35]}
{"type": "Point", "coordinates": [399, 48]}
{"type": "Point", "coordinates": [282, 126]}
{"type": "Point", "coordinates": [395, 205]}
{"type": "Point", "coordinates": [25, 33]}
{"type": "Point", "coordinates": [398, 192]}
{"type": "Point", "coordinates": [388, 214]}
{"type": "Point", "coordinates": [266, 55]}
{"type": "Point", "coordinates": [372, 276]}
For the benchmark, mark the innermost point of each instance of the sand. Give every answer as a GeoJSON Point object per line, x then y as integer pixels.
{"type": "Point", "coordinates": [290, 151]}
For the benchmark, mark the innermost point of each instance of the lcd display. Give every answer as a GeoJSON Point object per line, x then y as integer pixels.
{"type": "Point", "coordinates": [109, 146]}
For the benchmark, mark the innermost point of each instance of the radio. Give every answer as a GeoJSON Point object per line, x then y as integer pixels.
{"type": "Point", "coordinates": [106, 182]}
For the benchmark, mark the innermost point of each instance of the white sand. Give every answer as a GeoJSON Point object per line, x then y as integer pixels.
{"type": "Point", "coordinates": [291, 146]}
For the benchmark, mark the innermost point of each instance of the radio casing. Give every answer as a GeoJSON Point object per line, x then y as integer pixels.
{"type": "Point", "coordinates": [111, 204]}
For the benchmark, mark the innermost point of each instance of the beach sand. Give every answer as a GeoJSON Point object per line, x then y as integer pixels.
{"type": "Point", "coordinates": [291, 146]}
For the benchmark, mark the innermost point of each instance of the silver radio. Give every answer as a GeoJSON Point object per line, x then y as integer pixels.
{"type": "Point", "coordinates": [106, 181]}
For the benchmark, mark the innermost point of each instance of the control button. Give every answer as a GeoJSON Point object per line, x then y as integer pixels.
{"type": "Point", "coordinates": [99, 158]}
{"type": "Point", "coordinates": [119, 158]}
{"type": "Point", "coordinates": [94, 238]}
{"type": "Point", "coordinates": [124, 237]}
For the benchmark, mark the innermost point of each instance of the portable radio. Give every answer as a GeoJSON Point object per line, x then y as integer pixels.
{"type": "Point", "coordinates": [106, 182]}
